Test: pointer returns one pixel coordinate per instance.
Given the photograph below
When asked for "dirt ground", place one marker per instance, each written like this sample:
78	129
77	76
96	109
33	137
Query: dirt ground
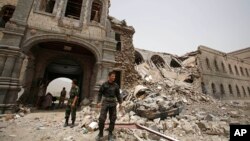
42	126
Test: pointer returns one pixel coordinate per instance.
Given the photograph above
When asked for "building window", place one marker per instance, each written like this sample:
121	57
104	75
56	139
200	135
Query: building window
5	14
203	88
247	72
236	70
242	72
230	69
238	91
213	88
222	90
73	9
216	65
244	92
223	67
158	61
47	5
118	40
230	89
208	63
248	91
96	11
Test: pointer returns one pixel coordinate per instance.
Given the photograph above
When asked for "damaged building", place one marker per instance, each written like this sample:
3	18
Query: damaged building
42	40
78	39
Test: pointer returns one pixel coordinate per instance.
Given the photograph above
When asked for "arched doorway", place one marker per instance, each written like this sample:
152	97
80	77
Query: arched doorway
54	59
55	86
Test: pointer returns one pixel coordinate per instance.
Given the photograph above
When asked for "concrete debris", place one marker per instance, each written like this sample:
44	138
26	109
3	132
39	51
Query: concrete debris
93	126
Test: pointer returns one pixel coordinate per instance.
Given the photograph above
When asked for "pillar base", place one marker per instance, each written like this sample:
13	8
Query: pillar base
9	88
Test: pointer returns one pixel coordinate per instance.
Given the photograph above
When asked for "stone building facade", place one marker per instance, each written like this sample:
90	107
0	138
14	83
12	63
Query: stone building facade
224	76
242	54
47	39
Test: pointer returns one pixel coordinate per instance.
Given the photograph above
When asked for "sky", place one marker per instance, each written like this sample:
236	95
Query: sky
180	26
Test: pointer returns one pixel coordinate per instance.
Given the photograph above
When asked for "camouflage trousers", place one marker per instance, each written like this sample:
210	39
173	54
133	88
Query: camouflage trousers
111	109
72	111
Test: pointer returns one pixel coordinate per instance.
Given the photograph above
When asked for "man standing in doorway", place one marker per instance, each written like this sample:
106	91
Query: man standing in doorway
110	93
71	105
62	98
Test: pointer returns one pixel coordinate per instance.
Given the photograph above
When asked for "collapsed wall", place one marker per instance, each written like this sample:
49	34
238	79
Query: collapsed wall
125	51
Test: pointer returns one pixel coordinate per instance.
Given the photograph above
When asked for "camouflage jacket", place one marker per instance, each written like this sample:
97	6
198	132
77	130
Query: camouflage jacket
74	91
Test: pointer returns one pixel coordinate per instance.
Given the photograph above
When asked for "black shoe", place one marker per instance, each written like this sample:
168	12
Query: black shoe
110	137
65	124
98	137
73	124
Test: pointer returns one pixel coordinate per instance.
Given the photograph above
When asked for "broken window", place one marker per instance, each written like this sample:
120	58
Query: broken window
244	92
73	9
213	88
203	88
238	91
223	67
230	89
242	72
222	90
216	65
246	71
118	40
230	68
208	63
5	14
174	64
96	11
158	61
47	5
138	58
236	70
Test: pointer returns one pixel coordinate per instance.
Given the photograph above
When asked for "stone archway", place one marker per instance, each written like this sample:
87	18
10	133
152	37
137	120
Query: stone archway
50	58
158	61
138	58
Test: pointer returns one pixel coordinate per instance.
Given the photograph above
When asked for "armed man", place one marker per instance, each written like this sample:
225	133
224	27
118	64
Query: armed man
109	93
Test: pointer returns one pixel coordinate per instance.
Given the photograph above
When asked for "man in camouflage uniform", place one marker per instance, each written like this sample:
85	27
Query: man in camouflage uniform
71	105
110	93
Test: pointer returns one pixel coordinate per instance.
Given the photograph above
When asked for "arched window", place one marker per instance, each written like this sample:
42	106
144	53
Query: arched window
247	72
213	88
236	70
203	87
216	65
158	61
138	58
5	14
244	92
96	11
73	9
238	91
230	89
222	90
241	71
208	63
230	69
223	67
